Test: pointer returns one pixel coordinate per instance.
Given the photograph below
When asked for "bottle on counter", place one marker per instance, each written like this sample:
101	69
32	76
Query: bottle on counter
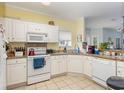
97	52
78	50
65	50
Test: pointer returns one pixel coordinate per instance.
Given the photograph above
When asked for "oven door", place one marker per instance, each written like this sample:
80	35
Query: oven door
37	71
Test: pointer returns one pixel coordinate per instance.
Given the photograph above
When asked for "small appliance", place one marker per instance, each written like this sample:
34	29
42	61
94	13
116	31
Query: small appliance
91	49
50	51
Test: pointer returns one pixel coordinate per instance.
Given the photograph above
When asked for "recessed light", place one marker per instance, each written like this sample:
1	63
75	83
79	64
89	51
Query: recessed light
46	3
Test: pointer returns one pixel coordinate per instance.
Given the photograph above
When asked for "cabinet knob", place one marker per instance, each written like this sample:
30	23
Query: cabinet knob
118	71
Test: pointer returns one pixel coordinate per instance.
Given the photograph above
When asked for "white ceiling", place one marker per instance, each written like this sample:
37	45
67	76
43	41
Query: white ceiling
74	10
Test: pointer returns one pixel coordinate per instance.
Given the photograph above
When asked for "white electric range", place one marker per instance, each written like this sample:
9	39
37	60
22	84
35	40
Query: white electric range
38	65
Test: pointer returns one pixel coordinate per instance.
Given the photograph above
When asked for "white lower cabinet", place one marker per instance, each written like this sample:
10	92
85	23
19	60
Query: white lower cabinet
63	64
58	64
75	63
16	71
87	66
54	67
120	69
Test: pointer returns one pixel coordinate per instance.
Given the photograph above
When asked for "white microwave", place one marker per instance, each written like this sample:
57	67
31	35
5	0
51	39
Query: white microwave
37	37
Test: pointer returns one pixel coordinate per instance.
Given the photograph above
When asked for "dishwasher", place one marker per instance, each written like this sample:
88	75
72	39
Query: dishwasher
102	69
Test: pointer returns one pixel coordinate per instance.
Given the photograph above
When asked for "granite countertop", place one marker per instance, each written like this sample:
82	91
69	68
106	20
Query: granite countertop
16	57
119	58
59	53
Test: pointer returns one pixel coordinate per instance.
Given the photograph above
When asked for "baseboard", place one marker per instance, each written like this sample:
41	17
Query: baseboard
88	77
62	74
16	85
75	74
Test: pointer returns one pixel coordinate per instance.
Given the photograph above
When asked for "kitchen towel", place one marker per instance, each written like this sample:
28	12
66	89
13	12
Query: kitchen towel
38	63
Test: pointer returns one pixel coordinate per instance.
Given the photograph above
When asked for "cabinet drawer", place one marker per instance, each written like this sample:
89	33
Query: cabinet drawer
53	57
120	64
11	61
14	61
21	60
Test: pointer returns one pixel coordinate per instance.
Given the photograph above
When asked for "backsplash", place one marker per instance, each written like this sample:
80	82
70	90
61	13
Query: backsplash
36	44
17	44
54	46
22	44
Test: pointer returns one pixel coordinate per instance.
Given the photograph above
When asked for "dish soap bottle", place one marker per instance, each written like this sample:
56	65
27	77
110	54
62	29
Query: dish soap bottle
78	50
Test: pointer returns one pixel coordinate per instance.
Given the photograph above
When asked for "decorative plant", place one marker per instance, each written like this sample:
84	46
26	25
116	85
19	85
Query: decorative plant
104	46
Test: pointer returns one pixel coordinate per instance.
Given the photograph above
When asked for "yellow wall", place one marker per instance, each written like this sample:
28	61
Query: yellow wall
81	28
13	12
2	10
80	31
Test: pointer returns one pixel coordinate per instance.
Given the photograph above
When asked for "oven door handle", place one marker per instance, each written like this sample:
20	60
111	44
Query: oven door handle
44	62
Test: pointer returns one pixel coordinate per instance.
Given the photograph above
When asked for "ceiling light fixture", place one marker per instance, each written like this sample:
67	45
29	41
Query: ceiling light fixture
46	3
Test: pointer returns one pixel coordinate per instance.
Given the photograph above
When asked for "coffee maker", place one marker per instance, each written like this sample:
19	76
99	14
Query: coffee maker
91	49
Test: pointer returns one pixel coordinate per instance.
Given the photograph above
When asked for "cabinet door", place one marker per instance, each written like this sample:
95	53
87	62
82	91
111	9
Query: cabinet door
64	35
87	66
62	64
19	31
54	67
75	64
7	23
16	73
52	33
33	27
120	68
36	28
120	72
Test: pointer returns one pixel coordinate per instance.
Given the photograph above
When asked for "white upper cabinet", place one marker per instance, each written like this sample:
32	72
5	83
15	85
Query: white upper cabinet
16	30
7	23
53	33
65	39
64	35
19	31
36	28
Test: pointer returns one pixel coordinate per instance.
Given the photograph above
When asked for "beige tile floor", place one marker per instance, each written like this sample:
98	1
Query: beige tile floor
66	82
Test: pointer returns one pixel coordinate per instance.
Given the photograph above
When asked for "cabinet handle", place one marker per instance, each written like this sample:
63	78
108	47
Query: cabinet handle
24	66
